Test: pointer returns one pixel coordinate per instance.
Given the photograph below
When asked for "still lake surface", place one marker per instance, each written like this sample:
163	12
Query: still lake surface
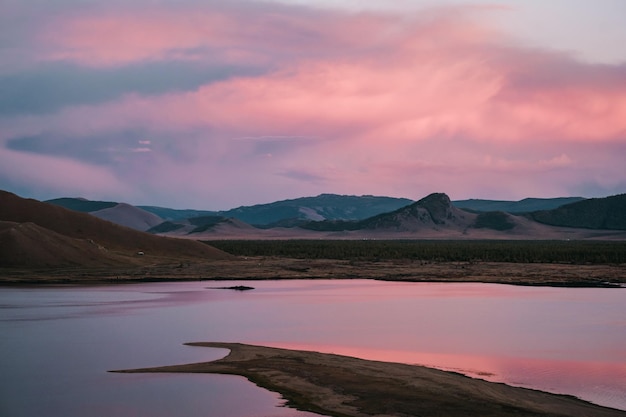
57	343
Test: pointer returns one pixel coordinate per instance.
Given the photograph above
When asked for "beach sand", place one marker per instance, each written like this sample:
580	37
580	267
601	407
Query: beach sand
342	386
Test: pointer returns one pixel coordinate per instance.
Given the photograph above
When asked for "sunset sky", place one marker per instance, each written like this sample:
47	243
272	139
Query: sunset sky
216	104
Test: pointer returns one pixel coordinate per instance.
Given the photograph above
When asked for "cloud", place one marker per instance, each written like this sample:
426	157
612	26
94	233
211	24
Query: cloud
254	100
232	32
304	176
103	149
52	86
411	89
53	176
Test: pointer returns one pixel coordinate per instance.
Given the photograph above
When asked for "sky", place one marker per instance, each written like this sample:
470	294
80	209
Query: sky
217	104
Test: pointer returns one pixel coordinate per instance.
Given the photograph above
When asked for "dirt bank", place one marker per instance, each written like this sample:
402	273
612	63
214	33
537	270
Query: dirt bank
342	386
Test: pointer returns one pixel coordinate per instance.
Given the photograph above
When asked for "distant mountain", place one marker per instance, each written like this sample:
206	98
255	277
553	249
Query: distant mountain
321	207
224	227
526	205
205	225
118	213
276	214
177	214
129	216
496	220
434	216
595	213
284	213
72	229
340	216
434	211
81	204
188	226
325	211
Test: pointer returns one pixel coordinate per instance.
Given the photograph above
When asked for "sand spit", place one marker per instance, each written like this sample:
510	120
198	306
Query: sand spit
342	386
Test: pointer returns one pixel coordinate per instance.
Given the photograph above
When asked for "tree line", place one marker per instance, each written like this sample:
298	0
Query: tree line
572	252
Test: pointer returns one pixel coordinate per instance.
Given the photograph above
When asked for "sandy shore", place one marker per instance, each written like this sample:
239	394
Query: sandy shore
262	268
342	386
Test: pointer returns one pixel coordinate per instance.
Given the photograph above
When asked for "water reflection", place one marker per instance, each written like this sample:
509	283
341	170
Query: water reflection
600	382
60	342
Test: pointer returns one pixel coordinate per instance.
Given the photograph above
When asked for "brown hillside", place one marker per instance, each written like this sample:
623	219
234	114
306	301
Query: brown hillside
29	245
121	240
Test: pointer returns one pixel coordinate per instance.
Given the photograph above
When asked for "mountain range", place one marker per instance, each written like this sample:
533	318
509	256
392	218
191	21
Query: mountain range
526	205
290	213
339	216
94	234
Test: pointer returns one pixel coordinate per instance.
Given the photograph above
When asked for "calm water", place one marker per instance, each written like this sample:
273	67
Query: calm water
58	342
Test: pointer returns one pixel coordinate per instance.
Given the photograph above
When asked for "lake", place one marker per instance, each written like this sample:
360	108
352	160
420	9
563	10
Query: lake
58	342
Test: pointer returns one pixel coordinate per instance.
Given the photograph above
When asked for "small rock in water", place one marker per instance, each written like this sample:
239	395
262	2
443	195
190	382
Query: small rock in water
236	288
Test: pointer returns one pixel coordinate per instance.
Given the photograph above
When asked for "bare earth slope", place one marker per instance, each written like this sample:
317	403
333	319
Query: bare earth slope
343	386
29	245
114	238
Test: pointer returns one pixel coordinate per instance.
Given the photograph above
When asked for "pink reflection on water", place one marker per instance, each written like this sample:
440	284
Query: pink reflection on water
568	341
595	381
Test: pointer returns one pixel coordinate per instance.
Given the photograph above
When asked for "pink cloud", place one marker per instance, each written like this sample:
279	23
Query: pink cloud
114	38
409	102
384	99
233	33
394	77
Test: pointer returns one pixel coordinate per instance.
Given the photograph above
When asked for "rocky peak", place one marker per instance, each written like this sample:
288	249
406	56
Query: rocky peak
438	206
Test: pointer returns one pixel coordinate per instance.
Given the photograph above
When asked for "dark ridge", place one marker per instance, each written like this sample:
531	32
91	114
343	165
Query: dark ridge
496	220
82	205
595	213
165	227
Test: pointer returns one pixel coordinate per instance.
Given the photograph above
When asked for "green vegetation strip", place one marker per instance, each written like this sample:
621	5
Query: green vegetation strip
570	252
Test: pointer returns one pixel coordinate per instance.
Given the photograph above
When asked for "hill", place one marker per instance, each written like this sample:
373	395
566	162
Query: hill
119	213
81	204
129	216
52	221
197	225
280	213
595	213
30	245
522	206
290	212
170	214
434	211
435	217
331	216
321	207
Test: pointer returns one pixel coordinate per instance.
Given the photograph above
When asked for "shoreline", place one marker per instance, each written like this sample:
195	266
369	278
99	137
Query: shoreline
275	268
343	386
